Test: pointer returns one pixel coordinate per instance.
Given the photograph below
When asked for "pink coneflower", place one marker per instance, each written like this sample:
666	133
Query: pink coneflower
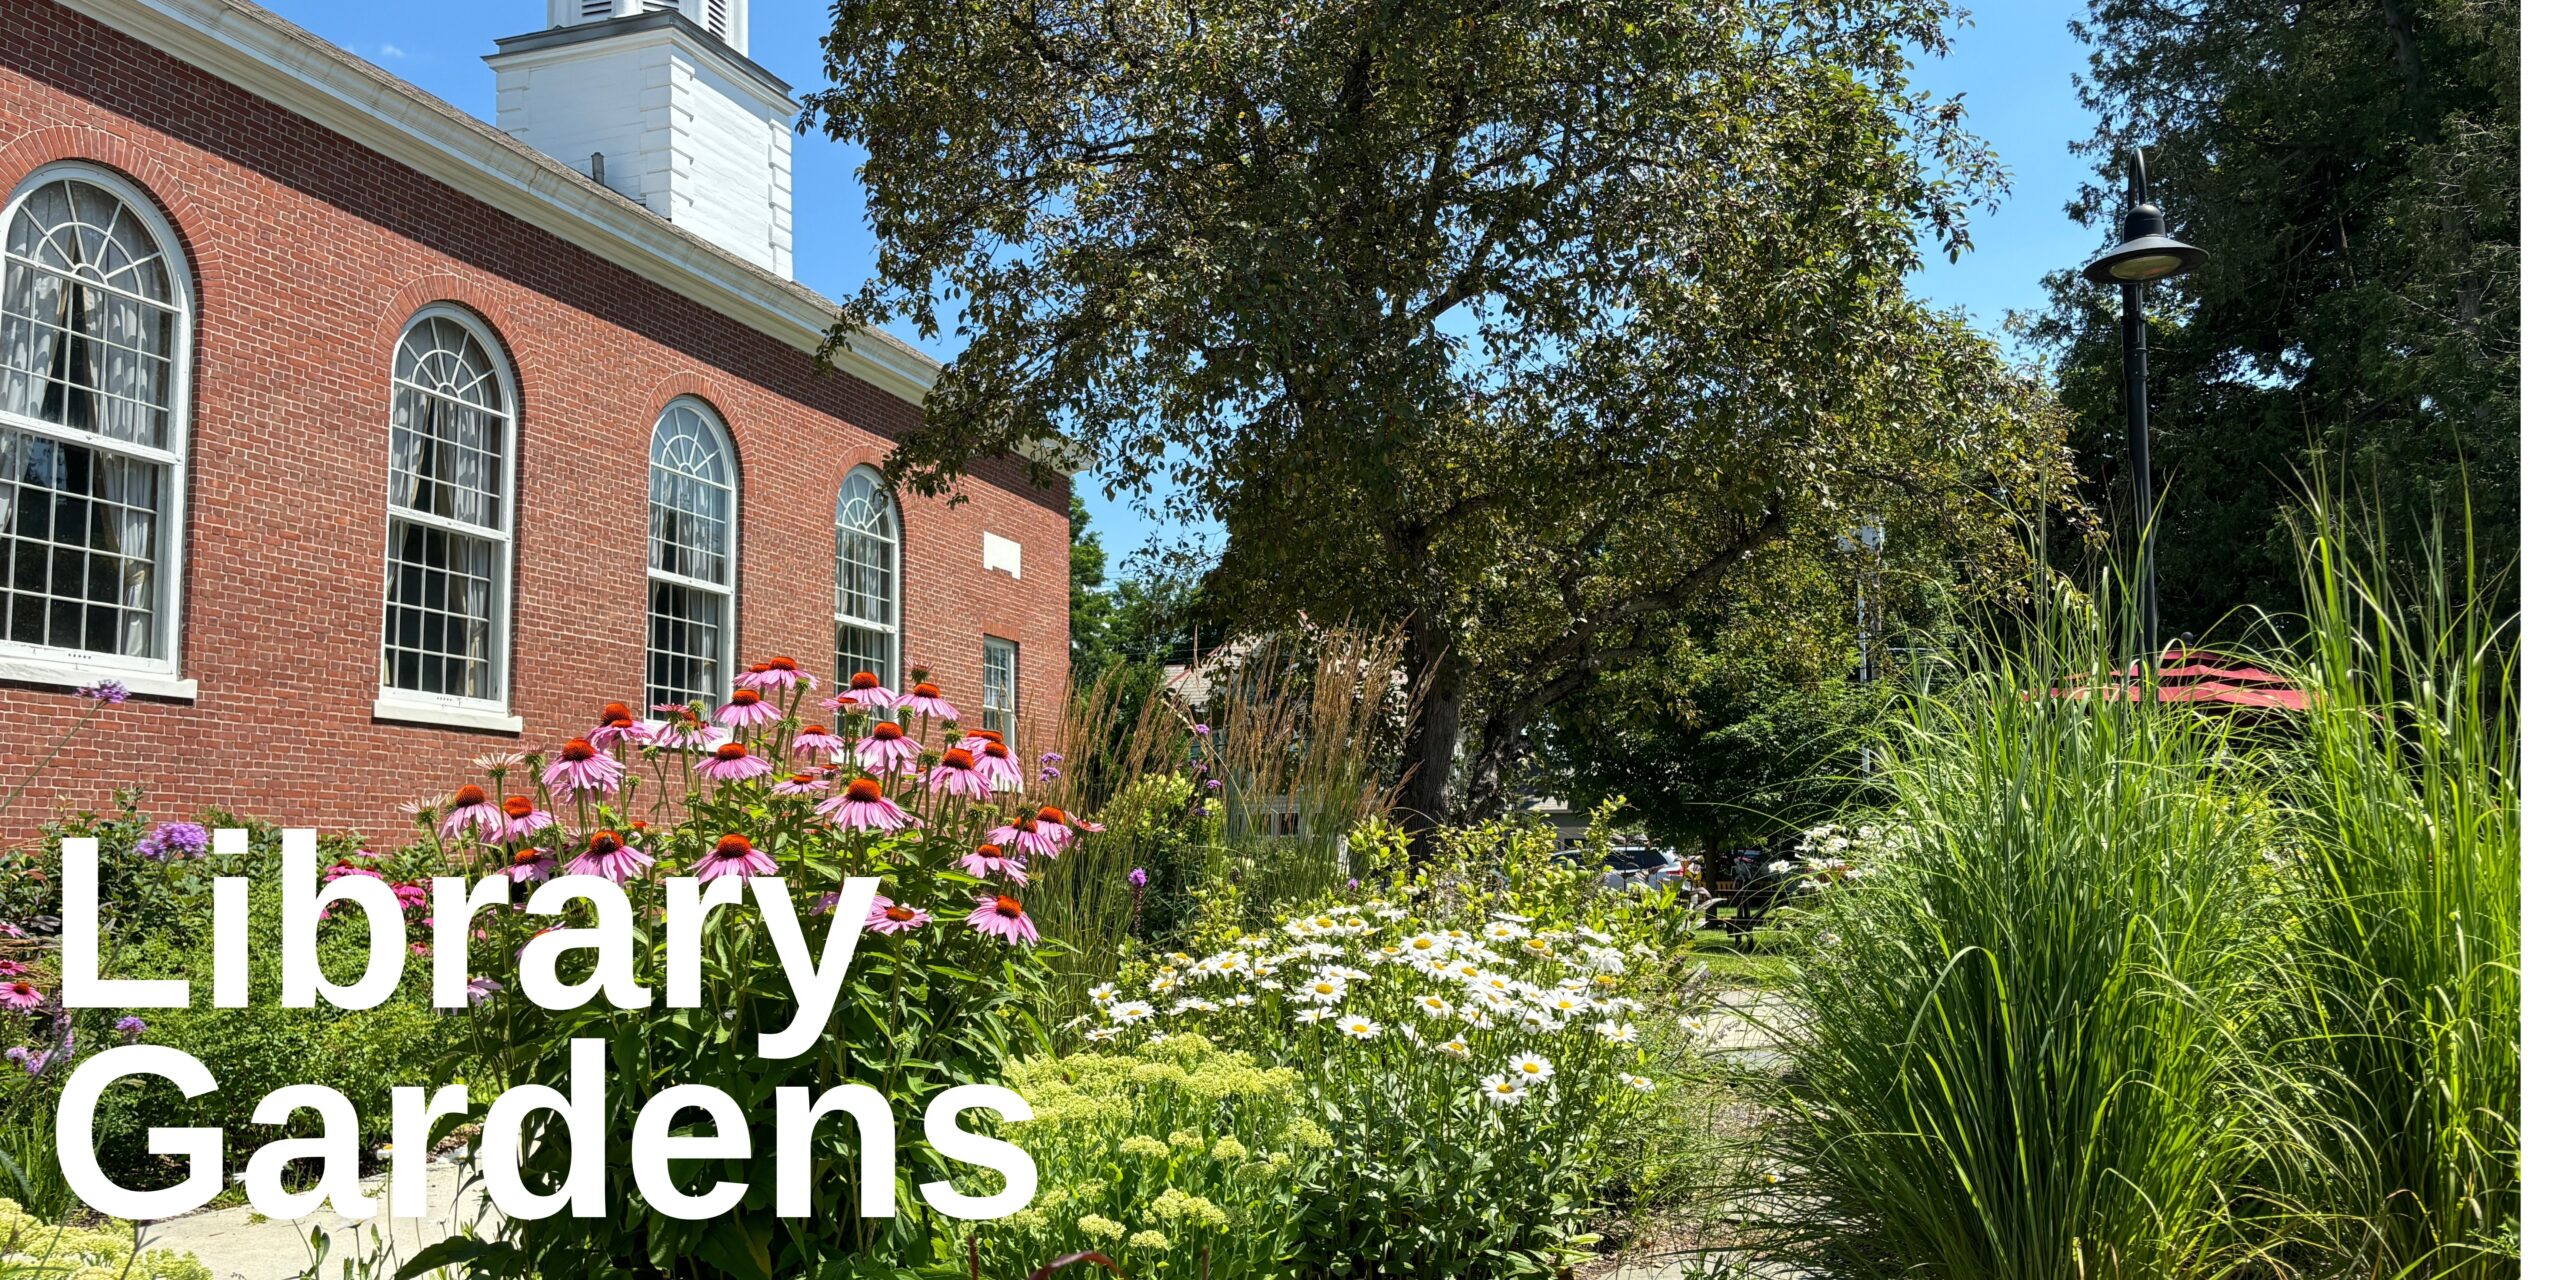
606	855
579	768
525	866
471	808
861	807
886	749
615	724
976	740
1002	917
1023	837
997	765
481	990
735	855
747	709
1053	824
683	727
818	741
20	994
926	699
732	763
865	692
774	676
522	818
988	862
894	917
957	775
803	784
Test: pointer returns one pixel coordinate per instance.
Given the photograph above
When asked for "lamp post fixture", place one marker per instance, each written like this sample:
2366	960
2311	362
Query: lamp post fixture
2146	253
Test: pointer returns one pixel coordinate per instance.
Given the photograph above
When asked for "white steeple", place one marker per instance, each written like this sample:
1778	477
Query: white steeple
658	100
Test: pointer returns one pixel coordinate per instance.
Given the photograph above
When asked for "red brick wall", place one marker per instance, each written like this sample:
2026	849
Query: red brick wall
310	254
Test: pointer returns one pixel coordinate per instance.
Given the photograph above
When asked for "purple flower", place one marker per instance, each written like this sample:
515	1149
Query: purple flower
1052	757
131	1028
1214	785
1137	877
1200	729
1049	773
109	692
171	841
480	989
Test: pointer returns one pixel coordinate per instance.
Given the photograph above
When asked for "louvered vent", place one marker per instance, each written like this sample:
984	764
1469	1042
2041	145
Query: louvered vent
595	8
715	17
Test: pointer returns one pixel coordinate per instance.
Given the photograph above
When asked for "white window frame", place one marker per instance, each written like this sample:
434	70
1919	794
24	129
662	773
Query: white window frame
894	629
73	668
416	706
1011	711
726	660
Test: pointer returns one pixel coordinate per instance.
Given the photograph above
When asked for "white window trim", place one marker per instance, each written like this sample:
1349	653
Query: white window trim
895	629
727	662
412	706
158	677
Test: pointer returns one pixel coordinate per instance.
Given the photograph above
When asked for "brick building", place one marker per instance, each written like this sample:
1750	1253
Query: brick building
359	437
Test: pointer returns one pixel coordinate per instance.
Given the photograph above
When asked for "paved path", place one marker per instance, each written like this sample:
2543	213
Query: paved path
236	1244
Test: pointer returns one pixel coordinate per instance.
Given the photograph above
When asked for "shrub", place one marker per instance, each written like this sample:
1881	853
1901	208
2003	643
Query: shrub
936	996
2024	1044
1175	1158
30	1246
1476	1083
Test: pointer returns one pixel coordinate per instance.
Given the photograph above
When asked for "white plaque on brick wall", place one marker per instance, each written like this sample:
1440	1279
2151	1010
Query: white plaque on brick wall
1004	555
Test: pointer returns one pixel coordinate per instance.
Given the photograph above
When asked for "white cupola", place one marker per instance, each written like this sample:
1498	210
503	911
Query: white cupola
658	100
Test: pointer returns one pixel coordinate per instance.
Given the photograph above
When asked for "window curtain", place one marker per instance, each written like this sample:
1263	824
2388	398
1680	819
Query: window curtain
133	491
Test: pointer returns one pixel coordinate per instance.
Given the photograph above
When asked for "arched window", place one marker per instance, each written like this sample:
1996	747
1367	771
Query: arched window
94	351
693	541
867	538
447	565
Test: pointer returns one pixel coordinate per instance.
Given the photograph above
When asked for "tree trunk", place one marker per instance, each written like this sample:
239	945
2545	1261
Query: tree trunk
1431	750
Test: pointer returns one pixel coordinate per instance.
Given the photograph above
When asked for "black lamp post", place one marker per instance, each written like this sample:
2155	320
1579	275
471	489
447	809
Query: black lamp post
2146	253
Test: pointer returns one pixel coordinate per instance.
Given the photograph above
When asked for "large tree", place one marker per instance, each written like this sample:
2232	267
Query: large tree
2352	166
1519	324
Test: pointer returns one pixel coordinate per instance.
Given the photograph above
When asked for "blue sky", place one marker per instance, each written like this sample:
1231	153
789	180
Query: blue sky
2013	64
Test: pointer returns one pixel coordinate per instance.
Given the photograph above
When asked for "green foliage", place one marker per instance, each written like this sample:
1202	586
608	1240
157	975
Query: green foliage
32	1247
1088	609
2354	170
1475	1055
2024	1048
1731	752
1175	1158
2404	1014
1520	325
1159	823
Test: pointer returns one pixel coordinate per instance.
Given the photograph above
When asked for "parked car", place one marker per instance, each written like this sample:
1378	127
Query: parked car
1638	866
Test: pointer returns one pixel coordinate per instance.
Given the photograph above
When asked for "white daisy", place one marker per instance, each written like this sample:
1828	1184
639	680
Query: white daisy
1499	931
1104	994
1323	990
1356	1027
1641	1084
1100	1035
1615	1032
1311	1015
1455	1047
1435	1006
1128	1011
1503	1091
1532	1068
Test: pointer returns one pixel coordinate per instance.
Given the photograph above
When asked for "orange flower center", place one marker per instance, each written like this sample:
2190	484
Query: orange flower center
518	807
730	751
996	751
862	791
803	779
528	857
863	680
886	732
603	843
984	735
928	689
469	797
733	846
990	851
1052	813
745	698
813	731
1008	908
1026	826
760	668
617	711
577	749
956	758
898	913
782	664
